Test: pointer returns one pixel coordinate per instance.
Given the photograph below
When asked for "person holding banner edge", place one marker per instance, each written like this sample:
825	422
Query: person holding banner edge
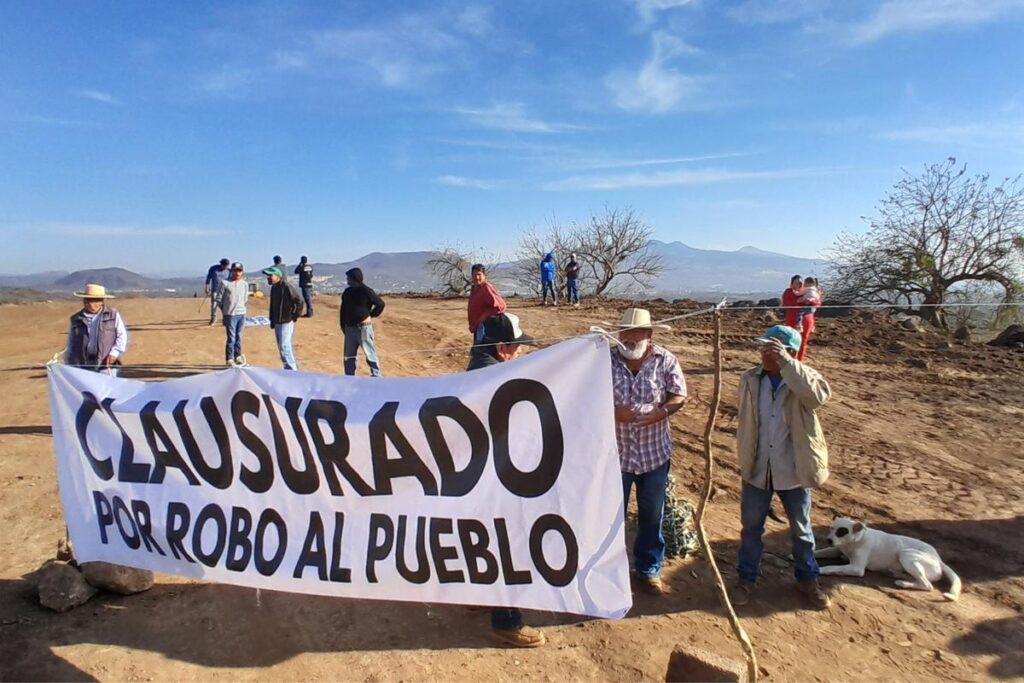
502	340
97	336
648	387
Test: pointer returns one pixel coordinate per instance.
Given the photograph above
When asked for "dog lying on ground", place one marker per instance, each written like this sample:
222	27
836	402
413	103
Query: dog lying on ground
878	551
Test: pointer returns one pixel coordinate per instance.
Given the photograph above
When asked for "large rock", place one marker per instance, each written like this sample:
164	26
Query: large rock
1011	336
912	323
694	664
116	578
62	587
962	333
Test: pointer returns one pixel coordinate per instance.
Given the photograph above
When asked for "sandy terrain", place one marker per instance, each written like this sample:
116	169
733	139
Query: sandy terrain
926	439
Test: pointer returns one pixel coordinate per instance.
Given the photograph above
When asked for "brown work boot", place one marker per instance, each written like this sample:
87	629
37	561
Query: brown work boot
521	636
651	585
813	595
741	592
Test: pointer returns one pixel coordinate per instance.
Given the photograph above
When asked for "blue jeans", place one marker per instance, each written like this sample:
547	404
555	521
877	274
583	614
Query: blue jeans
546	287
234	324
307	296
506	618
360	336
572	291
754	506
283	333
649	548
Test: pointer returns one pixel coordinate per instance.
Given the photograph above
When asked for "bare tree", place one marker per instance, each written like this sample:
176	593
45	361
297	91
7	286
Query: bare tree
534	245
452	266
935	233
613	250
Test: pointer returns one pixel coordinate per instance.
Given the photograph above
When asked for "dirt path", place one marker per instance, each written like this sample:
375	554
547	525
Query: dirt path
933	451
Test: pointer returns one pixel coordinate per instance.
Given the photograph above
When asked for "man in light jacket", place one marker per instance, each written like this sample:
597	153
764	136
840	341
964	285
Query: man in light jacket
781	451
233	299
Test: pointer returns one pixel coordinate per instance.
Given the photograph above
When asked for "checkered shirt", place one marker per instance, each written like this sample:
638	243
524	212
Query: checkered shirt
645	448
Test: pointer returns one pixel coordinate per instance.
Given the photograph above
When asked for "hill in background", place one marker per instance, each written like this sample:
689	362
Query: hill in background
688	271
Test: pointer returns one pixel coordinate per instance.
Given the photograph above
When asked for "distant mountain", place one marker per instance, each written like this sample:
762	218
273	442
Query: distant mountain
748	270
404	271
687	271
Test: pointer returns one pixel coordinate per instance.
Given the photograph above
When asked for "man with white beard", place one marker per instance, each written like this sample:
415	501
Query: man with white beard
648	387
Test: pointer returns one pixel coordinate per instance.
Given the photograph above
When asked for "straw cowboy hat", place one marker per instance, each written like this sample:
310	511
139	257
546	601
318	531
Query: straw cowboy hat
637	318
94	292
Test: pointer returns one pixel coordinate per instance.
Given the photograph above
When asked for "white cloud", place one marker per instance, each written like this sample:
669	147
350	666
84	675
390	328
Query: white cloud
94	230
460	181
401	54
898	16
776	12
286	60
967	134
475	20
648	9
656	87
96	96
511	116
628	163
669	179
227	79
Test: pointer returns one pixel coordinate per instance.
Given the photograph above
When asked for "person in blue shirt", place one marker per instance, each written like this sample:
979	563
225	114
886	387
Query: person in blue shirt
547	280
214	282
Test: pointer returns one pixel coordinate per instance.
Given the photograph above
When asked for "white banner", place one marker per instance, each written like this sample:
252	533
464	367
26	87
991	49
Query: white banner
499	486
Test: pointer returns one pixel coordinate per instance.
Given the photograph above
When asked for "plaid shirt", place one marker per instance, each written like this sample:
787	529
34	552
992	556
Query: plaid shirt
645	448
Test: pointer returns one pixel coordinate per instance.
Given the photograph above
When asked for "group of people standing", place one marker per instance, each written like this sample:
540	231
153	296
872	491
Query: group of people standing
571	272
779	443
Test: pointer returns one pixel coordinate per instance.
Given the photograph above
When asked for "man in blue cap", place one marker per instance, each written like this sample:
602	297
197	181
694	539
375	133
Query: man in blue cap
781	451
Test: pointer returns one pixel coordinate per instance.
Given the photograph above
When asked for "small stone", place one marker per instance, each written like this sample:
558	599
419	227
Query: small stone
62	587
921	363
116	578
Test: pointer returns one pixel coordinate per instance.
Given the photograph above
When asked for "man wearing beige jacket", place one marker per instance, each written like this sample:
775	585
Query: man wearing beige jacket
781	451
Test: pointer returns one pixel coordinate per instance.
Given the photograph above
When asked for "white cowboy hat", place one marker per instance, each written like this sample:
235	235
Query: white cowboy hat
637	318
94	292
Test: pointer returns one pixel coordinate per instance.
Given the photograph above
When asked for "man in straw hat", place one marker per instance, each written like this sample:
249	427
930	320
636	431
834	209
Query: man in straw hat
501	340
97	337
648	387
781	451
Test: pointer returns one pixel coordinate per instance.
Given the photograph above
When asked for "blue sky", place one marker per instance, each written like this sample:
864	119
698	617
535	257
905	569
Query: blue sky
162	136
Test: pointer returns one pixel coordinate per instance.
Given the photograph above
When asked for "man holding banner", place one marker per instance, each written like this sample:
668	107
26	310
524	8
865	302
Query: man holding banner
501	340
648	387
459	489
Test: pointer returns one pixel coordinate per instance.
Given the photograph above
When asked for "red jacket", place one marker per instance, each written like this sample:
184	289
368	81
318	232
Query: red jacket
484	301
791	302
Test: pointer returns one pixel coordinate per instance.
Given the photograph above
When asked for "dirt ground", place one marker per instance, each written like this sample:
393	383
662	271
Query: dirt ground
925	439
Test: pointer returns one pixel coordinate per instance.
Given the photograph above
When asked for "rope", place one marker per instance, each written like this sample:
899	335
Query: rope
722	306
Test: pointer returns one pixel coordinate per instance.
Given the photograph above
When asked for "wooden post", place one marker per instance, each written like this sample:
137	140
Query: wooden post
709	470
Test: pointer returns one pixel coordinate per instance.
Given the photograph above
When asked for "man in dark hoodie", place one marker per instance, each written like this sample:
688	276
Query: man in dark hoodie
359	304
285	309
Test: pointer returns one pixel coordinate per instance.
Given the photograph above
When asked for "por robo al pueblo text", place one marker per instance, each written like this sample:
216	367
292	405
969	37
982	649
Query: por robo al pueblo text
445	549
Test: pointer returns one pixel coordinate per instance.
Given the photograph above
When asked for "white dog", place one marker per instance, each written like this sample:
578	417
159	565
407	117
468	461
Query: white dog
878	551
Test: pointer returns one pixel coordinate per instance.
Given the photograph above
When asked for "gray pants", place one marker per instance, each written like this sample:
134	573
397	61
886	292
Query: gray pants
214	304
